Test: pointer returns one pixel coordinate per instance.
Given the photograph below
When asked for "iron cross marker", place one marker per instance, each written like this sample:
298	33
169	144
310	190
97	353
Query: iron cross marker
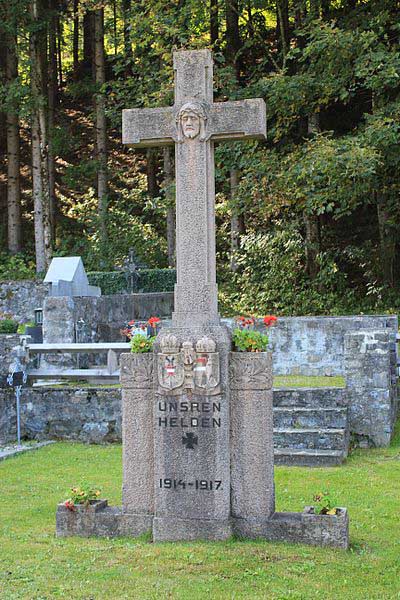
193	124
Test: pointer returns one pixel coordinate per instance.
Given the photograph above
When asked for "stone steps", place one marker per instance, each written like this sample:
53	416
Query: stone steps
300	417
310	426
306	438
324	397
308	458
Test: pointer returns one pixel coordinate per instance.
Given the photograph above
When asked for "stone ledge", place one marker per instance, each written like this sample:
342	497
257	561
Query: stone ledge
302	528
102	520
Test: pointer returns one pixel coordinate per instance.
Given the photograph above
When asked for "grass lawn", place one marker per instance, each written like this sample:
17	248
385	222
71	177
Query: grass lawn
280	381
36	565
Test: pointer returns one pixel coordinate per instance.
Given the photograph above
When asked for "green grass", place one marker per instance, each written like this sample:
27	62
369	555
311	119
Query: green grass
290	381
280	381
34	564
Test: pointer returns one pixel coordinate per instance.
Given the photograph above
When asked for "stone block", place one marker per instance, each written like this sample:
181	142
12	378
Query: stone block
250	370
175	529
137	371
303	528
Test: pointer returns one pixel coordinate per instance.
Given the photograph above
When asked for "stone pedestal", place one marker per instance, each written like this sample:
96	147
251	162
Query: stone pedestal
137	435
191	436
252	447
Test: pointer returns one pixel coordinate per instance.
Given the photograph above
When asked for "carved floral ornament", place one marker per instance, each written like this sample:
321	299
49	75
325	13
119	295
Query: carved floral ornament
191	122
188	368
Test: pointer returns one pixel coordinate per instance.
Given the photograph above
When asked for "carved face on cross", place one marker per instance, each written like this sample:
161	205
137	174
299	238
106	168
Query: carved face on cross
191	121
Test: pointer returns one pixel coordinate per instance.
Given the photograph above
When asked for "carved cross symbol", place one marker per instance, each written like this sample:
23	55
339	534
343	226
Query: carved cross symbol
189	440
193	124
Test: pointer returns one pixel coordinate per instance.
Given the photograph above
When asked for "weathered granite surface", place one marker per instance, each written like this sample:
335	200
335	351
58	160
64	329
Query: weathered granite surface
7	342
20	298
101	520
315	345
371	376
191	445
252	445
304	528
138	436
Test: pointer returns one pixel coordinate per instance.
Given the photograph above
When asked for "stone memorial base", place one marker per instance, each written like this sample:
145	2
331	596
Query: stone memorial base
110	521
198	452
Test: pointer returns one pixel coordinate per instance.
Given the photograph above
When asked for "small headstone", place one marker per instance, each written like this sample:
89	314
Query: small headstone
67	277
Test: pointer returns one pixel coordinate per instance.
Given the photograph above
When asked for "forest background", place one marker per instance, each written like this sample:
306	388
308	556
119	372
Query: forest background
307	221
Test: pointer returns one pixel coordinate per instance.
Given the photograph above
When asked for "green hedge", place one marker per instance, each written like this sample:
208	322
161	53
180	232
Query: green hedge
8	326
146	280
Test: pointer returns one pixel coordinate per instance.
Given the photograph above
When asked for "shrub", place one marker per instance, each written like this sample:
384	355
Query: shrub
8	326
147	280
16	267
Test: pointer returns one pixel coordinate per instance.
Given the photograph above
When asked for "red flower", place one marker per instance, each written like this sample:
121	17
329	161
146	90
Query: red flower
270	320
131	323
70	505
153	321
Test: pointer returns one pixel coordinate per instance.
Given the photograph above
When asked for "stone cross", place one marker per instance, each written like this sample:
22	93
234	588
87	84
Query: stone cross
193	124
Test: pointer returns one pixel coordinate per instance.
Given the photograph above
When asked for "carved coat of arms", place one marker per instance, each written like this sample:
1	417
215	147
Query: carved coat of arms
206	370
170	367
187	368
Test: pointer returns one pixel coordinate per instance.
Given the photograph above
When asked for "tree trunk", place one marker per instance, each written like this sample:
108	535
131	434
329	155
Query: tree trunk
126	13
59	49
88	42
3	140
235	221
214	25
101	125
233	42
40	174
13	156
151	170
115	27
75	43
283	31
52	99
312	243
387	238
312	224
170	199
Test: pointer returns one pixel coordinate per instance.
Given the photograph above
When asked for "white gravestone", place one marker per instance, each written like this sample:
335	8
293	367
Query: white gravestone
67	277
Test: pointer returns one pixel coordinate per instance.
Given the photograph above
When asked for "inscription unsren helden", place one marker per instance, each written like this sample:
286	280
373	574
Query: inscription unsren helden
190	408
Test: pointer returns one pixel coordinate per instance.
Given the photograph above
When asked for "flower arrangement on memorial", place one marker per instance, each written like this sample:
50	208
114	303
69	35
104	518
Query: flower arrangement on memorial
325	504
82	495
141	334
247	339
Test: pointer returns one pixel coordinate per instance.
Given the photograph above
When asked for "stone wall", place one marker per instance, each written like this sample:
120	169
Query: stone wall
371	377
7	342
94	414
87	414
20	298
315	345
100	318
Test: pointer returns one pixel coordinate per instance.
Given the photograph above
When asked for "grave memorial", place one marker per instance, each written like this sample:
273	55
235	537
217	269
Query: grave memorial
197	418
67	277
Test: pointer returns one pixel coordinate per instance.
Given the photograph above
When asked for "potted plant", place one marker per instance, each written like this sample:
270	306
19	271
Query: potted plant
83	496
326	522
77	514
250	364
141	334
137	367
